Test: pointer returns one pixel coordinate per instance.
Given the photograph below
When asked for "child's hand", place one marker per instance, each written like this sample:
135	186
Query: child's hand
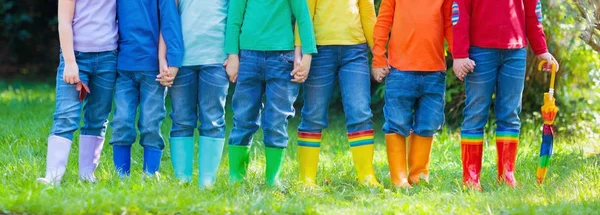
170	78
462	66
549	59
163	72
71	73
232	67
301	68
379	73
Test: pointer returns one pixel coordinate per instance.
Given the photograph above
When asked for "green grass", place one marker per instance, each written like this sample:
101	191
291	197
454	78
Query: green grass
572	185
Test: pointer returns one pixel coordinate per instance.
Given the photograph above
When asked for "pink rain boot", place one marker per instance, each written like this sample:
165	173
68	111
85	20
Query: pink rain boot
56	160
90	149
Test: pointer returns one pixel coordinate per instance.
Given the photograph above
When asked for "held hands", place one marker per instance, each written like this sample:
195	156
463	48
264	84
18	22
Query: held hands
380	73
71	73
462	66
549	61
301	68
232	66
166	74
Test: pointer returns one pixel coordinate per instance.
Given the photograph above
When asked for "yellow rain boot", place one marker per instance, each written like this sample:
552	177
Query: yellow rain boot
308	155
362	147
396	153
418	157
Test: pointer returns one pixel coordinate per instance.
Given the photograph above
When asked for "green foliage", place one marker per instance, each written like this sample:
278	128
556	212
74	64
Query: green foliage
572	185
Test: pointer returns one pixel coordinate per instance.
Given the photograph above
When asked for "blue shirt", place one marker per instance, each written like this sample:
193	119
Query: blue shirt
140	24
203	25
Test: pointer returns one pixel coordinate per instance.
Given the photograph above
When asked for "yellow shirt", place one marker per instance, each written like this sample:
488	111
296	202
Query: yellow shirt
342	22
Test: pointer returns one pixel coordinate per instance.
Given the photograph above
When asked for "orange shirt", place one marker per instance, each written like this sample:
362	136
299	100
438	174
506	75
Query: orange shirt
418	29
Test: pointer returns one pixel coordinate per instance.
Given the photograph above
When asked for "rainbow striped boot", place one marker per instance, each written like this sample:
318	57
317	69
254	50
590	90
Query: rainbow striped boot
362	147
472	155
507	141
308	154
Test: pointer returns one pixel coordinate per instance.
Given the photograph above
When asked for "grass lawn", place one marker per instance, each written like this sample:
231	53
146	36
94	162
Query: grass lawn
572	185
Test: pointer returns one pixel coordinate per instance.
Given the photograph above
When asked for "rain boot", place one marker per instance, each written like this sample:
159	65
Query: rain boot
472	155
419	155
56	159
396	153
90	149
308	154
362	148
209	158
182	157
507	141
239	157
275	158
152	158
122	159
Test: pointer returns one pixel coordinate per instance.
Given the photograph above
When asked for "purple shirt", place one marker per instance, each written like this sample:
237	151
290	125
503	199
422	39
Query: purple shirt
95	25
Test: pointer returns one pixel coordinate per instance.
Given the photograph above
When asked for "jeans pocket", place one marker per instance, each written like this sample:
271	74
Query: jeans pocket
287	57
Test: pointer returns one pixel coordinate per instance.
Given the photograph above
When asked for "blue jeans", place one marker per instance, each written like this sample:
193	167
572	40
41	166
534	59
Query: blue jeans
204	88
263	73
349	65
497	70
99	71
138	88
414	101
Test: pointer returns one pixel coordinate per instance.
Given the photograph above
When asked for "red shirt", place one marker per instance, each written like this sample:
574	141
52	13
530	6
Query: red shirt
501	24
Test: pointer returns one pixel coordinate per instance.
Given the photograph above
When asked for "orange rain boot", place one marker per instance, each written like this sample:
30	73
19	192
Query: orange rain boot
396	153
418	157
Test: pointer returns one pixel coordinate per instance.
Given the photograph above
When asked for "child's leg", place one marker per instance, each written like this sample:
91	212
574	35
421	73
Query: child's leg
246	104
184	100
509	92
479	87
66	120
280	96
127	99
401	93
355	84
152	114
318	89
212	95
429	118
96	109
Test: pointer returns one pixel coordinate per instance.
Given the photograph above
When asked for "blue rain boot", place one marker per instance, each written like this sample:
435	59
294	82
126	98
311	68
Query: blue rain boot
152	160
209	158
122	159
182	157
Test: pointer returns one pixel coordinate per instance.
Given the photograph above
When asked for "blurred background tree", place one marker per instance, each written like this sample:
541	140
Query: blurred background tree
29	51
589	12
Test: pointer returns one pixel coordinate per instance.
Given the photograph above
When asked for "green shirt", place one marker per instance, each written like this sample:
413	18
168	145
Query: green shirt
266	25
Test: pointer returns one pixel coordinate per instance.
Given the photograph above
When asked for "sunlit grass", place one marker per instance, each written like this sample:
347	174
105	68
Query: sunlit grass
572	185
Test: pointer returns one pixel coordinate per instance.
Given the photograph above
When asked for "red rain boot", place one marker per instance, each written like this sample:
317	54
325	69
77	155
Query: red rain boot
472	155
507	157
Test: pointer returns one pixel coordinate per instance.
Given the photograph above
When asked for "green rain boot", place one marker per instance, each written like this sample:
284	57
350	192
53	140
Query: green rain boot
238	162
182	157
275	158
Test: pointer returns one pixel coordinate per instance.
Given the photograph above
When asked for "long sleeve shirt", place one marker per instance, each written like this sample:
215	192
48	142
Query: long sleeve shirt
506	24
203	26
140	25
266	25
418	29
342	22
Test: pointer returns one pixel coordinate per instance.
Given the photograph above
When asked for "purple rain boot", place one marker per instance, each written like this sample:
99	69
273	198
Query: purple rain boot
90	149
56	159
